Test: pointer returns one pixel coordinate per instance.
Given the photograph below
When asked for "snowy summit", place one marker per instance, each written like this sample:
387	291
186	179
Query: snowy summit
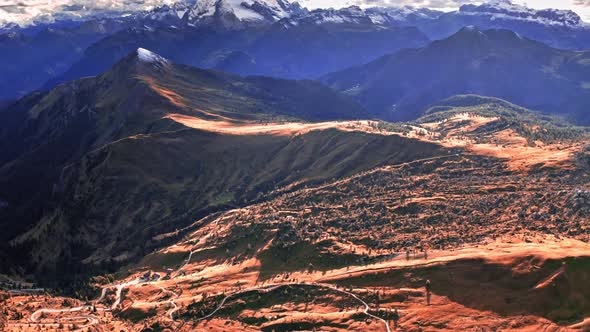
149	56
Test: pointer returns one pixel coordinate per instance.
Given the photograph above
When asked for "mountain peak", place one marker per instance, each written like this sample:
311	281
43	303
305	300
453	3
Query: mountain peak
497	37
470	30
139	62
148	56
466	34
246	10
470	40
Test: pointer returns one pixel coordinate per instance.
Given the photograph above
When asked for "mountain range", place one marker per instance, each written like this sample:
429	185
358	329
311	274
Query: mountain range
229	165
302	51
498	63
276	38
171	144
146	187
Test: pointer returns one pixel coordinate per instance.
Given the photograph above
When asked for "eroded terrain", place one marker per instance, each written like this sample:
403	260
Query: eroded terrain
496	226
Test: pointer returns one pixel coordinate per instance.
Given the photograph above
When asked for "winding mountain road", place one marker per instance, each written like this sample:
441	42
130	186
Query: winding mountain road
171	301
92	320
36	316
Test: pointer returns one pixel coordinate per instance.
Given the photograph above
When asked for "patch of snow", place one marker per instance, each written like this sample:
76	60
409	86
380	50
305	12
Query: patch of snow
205	8
149	56
180	13
245	14
244	10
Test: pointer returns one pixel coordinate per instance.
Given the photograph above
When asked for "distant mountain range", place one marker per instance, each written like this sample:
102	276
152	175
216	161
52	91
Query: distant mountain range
558	28
498	63
300	51
272	38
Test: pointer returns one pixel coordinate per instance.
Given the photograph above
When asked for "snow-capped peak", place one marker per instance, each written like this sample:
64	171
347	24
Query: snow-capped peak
507	10
246	10
377	17
150	57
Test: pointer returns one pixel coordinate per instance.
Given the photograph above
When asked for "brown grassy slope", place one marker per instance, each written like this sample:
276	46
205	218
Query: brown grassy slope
165	181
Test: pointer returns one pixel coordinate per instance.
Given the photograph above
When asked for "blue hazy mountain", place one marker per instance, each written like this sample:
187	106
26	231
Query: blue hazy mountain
498	63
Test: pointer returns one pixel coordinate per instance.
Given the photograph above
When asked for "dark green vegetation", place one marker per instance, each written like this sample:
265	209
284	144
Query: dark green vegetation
93	171
496	63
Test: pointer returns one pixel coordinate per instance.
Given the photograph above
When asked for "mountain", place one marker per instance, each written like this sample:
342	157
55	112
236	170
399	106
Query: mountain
286	48
534	127
505	8
272	37
558	28
157	144
178	12
29	60
470	199
254	33
238	12
498	63
32	55
403	16
229	14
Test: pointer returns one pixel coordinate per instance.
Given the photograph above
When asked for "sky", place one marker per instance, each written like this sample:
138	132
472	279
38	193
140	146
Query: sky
24	11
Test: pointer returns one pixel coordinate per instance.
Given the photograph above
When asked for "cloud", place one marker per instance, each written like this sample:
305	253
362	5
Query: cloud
25	12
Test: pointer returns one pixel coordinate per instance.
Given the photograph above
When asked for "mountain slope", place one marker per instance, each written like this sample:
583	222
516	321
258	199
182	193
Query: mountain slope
461	220
497	63
28	61
156	144
133	98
